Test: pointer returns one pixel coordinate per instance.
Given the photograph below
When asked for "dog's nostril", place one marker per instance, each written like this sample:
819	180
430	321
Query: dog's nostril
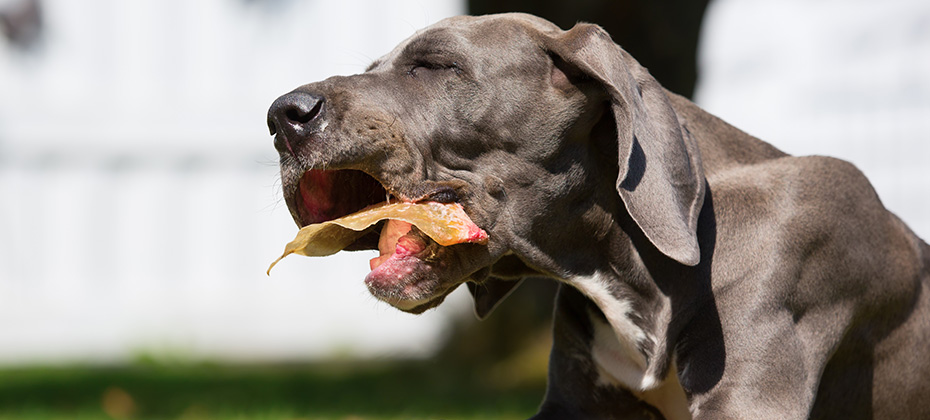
296	108
300	115
294	115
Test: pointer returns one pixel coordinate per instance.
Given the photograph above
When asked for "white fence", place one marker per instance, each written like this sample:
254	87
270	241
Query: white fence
849	79
139	205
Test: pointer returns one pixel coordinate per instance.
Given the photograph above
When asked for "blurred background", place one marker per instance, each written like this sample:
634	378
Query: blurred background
140	203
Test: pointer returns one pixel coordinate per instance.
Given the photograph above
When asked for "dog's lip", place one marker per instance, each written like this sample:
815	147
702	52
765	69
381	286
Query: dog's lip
414	272
400	275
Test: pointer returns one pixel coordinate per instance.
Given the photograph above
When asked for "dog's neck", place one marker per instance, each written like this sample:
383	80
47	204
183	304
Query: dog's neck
625	351
625	318
623	342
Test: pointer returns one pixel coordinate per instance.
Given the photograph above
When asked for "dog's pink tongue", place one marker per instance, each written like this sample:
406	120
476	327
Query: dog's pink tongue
395	241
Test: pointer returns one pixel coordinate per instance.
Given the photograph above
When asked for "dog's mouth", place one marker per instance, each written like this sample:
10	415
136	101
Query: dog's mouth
409	271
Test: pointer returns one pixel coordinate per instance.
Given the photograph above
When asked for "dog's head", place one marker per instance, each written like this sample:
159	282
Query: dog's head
545	137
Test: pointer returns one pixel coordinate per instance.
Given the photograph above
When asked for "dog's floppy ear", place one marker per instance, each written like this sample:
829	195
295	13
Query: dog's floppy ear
661	181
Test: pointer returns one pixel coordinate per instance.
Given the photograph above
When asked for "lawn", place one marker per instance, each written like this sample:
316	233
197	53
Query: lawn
342	390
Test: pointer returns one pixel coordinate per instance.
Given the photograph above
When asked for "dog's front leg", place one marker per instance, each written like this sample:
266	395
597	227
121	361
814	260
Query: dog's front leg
574	394
576	389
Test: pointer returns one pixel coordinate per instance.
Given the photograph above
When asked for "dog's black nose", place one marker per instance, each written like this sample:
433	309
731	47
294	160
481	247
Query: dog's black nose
294	112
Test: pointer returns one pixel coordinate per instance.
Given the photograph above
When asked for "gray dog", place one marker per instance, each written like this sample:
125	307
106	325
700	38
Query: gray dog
704	273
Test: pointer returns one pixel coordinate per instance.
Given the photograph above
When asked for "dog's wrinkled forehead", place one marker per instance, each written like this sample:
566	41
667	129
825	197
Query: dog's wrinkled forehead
462	37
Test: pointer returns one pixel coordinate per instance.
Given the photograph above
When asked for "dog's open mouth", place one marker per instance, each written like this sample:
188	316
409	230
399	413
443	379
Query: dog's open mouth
349	210
326	195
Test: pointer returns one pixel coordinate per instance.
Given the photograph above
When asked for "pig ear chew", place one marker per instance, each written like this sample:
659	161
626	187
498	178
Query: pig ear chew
446	224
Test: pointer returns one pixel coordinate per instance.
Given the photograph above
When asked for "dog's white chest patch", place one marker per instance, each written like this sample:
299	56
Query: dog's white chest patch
617	359
615	343
616	354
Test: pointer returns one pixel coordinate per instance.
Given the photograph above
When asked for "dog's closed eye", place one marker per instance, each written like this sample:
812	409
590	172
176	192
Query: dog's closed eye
423	67
444	195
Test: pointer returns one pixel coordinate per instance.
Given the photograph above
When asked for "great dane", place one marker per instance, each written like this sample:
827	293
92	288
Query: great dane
704	273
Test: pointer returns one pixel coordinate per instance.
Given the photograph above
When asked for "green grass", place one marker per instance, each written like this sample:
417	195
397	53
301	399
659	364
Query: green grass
340	391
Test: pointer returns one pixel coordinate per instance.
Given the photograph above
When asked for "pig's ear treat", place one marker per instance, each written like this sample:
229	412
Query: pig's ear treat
445	224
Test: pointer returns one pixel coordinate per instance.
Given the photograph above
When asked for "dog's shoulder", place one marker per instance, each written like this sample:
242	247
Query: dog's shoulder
751	174
820	211
722	146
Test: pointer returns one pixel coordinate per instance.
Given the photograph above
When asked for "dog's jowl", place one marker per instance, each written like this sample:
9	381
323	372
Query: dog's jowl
704	273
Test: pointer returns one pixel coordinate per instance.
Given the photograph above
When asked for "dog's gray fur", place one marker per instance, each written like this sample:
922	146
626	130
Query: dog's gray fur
705	274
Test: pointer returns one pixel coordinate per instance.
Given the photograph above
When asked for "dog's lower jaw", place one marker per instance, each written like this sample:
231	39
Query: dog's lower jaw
415	307
404	290
410	304
411	282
